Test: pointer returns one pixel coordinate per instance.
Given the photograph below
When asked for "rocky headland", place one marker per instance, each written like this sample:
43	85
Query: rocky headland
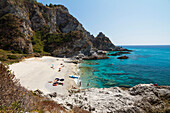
28	26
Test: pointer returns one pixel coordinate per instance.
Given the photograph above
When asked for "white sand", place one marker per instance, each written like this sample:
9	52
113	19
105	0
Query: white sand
35	73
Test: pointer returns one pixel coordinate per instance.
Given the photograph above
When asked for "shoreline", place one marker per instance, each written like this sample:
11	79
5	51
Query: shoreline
36	73
113	99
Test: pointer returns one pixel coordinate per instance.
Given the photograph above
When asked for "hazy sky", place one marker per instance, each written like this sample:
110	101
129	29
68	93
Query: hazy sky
125	22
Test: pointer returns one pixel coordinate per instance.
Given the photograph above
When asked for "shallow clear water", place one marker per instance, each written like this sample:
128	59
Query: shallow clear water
146	64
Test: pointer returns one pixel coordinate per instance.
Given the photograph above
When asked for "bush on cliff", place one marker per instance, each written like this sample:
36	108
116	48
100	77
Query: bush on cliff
12	57
38	39
10	34
9	30
53	40
43	41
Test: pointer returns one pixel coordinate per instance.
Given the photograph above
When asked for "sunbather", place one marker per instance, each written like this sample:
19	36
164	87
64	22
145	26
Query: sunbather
52	66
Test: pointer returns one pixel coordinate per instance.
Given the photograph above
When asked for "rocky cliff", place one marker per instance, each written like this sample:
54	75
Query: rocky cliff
28	26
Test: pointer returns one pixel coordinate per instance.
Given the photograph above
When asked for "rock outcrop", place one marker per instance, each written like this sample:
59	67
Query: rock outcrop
123	57
142	98
39	28
118	53
102	42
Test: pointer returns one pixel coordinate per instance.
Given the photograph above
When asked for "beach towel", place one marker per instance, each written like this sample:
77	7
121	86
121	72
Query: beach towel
62	79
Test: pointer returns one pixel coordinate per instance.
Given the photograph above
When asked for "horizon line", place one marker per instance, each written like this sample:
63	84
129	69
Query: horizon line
142	45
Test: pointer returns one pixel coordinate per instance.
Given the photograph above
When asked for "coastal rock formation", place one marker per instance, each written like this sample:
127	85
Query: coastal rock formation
99	54
117	48
34	27
102	42
142	98
118	53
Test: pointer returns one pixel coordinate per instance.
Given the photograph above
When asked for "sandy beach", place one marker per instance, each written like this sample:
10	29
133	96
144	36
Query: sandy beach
35	73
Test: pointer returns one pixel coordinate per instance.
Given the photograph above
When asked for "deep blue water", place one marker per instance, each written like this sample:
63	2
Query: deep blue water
146	64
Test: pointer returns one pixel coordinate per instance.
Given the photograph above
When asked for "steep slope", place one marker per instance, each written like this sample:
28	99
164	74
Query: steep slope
38	28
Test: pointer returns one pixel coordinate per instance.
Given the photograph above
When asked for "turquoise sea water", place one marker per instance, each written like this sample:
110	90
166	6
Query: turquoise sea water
146	64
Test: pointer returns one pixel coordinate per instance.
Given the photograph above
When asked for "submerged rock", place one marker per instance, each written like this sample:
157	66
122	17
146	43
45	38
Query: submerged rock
123	57
95	57
118	53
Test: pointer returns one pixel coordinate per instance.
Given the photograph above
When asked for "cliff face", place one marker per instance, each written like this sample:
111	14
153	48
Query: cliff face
38	28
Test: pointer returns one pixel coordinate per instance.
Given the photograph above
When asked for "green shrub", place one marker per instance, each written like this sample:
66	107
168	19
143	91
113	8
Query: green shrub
38	39
9	30
51	5
3	58
12	57
17	52
37	42
16	106
46	16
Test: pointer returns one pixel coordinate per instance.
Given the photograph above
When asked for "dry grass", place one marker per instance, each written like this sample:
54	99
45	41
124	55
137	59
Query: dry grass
15	98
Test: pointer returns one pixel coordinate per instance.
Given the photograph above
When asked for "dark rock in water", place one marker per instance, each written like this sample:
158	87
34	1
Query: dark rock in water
95	57
130	77
118	53
123	57
121	49
96	54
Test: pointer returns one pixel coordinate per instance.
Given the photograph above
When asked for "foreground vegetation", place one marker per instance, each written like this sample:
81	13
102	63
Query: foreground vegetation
9	57
15	99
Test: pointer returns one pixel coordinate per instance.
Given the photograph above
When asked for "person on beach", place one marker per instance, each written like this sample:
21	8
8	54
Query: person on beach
52	66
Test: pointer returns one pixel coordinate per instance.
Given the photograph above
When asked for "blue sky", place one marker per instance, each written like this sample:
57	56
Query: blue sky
125	22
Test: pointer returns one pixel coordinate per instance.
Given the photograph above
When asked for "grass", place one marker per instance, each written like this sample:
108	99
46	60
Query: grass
8	57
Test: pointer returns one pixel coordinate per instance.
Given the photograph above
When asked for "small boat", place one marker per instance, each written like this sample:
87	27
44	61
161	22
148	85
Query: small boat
71	76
